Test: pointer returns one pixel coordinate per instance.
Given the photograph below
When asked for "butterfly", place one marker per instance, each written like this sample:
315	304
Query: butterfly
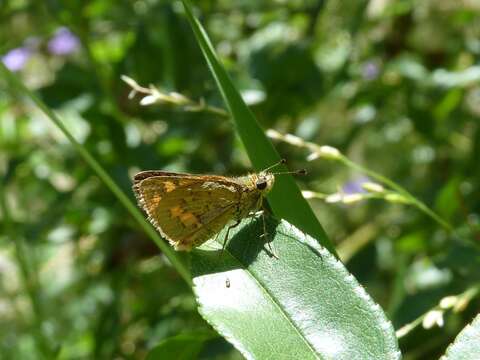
188	209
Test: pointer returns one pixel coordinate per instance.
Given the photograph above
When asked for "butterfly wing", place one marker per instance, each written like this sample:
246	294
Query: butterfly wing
187	209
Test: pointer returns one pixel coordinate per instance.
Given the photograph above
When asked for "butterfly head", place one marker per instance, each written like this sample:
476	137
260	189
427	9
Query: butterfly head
264	182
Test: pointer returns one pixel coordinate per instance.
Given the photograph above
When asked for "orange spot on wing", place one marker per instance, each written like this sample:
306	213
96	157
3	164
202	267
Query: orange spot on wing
169	186
176	211
189	220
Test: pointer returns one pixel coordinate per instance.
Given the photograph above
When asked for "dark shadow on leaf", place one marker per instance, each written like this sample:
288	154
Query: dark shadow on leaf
242	249
249	241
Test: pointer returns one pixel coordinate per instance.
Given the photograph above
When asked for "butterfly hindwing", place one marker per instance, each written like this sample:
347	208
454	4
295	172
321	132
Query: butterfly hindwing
187	209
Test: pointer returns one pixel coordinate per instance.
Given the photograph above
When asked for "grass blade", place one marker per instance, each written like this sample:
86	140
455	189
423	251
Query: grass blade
102	174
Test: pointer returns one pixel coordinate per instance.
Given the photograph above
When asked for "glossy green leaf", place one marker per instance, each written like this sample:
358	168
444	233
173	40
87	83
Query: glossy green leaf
467	344
180	347
286	195
302	305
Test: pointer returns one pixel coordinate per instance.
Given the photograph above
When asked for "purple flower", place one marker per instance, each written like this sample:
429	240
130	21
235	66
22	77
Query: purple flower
16	58
64	42
355	186
370	70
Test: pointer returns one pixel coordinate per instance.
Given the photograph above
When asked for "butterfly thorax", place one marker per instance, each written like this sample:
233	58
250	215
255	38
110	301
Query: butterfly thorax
255	188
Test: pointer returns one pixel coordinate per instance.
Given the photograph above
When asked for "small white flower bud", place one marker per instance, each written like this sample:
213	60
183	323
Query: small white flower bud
148	100
334	198
307	194
432	318
294	140
273	134
373	187
448	301
132	83
352	198
328	152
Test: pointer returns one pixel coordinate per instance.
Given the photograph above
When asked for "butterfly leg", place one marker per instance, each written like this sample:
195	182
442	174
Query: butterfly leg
228	232
271	250
265	234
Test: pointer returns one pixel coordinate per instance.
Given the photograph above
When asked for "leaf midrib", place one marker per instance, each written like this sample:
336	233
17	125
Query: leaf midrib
276	303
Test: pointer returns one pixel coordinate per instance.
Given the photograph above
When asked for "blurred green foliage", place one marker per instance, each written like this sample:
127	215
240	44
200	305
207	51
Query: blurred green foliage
395	85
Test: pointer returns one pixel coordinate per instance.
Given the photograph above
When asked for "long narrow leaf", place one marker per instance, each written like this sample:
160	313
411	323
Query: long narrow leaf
101	173
286	199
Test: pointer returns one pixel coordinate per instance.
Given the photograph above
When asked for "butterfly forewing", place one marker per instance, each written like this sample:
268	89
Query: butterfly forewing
187	209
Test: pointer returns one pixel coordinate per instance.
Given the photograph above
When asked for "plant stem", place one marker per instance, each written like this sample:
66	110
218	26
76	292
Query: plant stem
386	181
320	152
462	300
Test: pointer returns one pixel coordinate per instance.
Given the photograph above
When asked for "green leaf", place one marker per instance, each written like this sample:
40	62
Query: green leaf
467	344
302	305
180	347
285	195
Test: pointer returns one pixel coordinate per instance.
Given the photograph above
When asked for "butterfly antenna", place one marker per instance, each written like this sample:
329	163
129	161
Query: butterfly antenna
297	172
283	161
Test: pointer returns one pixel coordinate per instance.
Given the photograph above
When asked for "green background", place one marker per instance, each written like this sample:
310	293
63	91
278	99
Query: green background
394	85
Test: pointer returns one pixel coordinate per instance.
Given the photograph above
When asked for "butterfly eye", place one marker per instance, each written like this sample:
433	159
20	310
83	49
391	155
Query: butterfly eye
261	185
